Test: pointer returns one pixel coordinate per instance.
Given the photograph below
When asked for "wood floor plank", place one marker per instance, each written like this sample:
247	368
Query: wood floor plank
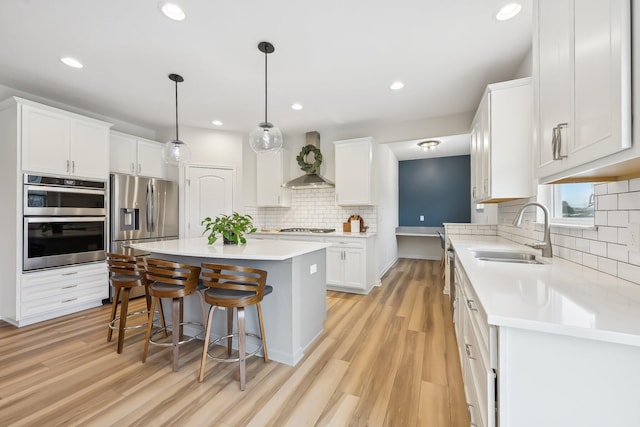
385	359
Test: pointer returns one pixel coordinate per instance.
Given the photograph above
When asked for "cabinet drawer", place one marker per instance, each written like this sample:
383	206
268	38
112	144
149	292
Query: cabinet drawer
477	315
61	300
348	242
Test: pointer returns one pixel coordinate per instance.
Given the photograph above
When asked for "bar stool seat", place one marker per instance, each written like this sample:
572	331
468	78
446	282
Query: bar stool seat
234	287
173	281
124	275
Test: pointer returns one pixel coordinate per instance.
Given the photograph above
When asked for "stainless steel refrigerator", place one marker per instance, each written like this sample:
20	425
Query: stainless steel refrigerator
141	210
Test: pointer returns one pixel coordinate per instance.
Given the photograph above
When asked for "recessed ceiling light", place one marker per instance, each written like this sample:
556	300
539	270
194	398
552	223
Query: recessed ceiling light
508	11
396	85
216	123
296	106
172	11
428	145
71	62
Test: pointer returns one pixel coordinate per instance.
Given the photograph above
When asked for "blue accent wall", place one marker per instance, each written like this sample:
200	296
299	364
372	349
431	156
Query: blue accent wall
438	188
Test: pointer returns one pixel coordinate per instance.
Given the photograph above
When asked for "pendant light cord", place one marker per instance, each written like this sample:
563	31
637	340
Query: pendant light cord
265	85
177	138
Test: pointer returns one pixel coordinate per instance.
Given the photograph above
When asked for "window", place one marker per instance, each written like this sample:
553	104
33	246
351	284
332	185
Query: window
571	203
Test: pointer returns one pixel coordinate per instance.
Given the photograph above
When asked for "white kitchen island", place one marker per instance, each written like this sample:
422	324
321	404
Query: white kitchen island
294	312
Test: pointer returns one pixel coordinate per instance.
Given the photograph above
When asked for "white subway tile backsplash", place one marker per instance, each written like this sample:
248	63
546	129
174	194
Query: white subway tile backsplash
603	248
618	187
608	234
618	218
608	202
617	252
608	266
629	200
598	248
628	272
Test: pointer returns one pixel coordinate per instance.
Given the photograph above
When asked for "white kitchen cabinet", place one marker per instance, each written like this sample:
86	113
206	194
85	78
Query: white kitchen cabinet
270	172
582	71
136	156
501	138
51	293
477	348
350	264
60	143
354	172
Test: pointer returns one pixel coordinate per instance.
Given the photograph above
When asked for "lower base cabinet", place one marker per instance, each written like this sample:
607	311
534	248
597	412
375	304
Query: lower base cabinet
350	259
51	293
515	376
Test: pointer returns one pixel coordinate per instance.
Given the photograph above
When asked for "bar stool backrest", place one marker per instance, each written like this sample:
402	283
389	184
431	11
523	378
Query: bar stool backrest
172	273
235	278
120	264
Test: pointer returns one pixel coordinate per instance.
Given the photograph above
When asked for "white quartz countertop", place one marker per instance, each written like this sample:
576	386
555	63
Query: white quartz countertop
557	296
262	250
306	233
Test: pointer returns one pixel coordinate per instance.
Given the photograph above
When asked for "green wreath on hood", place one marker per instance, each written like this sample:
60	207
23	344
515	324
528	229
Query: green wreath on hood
302	159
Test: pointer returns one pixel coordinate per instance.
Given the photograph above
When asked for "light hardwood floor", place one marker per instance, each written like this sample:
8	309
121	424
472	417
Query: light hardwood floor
385	359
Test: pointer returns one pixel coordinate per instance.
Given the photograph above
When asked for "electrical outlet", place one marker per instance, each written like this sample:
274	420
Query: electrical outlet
313	269
421	217
634	237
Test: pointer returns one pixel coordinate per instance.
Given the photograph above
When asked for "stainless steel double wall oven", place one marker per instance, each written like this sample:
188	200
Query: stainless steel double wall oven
65	221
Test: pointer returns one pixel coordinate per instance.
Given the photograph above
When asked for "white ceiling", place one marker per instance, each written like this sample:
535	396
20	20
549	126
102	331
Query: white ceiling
335	57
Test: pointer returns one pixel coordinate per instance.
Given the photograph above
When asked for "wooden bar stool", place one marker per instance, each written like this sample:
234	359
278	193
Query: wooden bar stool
232	286
172	280
124	275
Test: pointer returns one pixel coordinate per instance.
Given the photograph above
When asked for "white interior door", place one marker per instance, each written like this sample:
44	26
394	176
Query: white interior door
209	193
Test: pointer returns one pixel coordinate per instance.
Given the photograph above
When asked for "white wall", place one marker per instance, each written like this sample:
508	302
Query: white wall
388	204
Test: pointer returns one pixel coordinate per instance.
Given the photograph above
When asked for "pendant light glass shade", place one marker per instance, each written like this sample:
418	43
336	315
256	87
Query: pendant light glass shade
176	152
265	137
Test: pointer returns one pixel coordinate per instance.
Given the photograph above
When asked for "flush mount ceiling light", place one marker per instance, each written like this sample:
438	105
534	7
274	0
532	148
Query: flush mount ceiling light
71	62
172	11
508	11
428	145
296	106
176	152
396	85
265	137
216	123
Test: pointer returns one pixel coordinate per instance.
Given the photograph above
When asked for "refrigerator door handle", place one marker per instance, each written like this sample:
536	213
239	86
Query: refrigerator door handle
149	207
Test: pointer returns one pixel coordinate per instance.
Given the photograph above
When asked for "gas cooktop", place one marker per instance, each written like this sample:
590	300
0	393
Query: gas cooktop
307	230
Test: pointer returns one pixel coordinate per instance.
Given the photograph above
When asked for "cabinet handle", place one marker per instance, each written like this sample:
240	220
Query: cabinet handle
132	169
467	349
70	287
472	305
139	167
69	300
70	273
73	166
473	191
67	165
556	141
472	423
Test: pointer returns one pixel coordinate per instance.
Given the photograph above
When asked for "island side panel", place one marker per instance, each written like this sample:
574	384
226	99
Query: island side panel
290	324
310	299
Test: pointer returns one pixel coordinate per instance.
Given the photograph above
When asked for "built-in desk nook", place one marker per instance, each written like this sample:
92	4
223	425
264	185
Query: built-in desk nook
294	312
419	242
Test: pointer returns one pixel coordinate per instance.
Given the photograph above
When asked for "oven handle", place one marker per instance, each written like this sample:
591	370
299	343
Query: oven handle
40	219
45	188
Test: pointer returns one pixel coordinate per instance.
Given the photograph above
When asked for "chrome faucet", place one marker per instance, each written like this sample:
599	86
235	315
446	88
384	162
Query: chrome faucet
545	245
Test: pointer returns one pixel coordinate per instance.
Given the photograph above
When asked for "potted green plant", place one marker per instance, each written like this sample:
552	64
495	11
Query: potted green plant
231	227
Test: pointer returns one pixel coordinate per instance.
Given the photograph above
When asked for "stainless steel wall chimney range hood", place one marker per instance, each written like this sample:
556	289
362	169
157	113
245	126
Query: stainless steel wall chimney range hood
311	178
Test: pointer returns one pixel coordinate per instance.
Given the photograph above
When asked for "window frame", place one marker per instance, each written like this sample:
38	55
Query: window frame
548	195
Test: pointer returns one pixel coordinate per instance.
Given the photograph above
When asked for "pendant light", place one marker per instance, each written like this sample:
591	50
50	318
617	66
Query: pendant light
265	137
176	152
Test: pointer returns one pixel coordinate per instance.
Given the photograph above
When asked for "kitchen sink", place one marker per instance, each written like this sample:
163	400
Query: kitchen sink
506	256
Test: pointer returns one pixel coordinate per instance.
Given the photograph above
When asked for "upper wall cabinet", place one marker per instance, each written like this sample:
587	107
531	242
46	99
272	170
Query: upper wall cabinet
136	156
354	172
501	138
582	72
271	171
60	143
